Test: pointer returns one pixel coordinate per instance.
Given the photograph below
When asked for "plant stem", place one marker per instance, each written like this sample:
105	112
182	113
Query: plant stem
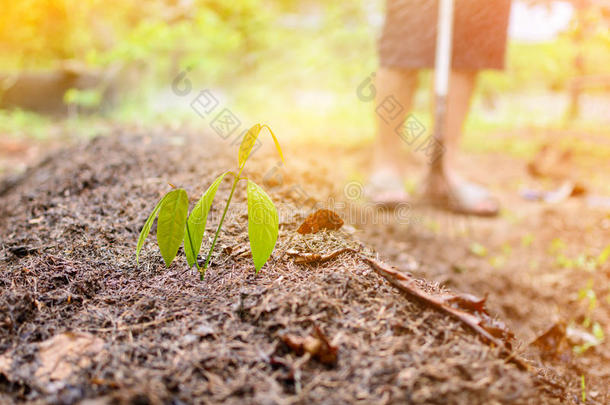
207	259
188	233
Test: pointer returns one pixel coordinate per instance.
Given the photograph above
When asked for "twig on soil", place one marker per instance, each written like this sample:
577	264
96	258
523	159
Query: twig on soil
138	326
405	284
399	280
316	257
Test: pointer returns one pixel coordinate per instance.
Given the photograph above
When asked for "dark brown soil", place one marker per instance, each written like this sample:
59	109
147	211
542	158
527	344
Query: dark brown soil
67	263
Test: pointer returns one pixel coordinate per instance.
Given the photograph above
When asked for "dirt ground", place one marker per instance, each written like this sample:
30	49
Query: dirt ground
146	334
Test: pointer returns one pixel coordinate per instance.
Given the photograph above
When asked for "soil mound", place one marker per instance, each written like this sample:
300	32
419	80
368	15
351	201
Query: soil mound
151	334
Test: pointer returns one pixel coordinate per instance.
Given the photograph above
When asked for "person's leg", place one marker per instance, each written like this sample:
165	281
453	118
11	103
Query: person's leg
461	194
461	87
395	90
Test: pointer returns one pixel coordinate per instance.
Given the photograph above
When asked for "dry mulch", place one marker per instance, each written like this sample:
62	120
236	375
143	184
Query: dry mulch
69	229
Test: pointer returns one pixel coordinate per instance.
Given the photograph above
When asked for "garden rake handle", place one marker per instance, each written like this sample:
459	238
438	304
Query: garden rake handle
442	68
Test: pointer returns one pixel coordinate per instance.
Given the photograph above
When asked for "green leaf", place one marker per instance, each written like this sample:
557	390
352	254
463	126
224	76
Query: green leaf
277	143
263	224
196	222
146	229
171	223
248	143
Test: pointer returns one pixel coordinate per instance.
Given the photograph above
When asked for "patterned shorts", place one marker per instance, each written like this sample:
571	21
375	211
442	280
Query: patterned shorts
479	34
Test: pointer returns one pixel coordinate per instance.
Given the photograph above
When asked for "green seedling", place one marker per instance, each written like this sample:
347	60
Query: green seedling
478	249
174	228
597	337
556	246
586	294
603	256
527	240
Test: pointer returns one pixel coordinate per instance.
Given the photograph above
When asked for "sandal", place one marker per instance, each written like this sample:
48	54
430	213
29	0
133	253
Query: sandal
460	196
385	189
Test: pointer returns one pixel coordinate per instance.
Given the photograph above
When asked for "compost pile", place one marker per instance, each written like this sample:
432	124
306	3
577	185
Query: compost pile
81	321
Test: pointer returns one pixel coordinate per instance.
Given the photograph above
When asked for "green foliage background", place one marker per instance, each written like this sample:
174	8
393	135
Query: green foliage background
295	63
223	40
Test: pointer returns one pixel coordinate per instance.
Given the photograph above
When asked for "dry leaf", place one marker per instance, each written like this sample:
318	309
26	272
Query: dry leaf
5	364
552	338
467	302
60	355
321	219
551	162
318	346
554	343
57	357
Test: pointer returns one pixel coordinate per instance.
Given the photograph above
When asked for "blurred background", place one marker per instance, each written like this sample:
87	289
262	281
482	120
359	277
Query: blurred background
73	69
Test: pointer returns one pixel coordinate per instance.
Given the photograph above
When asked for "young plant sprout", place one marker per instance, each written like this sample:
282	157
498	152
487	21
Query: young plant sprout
173	227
